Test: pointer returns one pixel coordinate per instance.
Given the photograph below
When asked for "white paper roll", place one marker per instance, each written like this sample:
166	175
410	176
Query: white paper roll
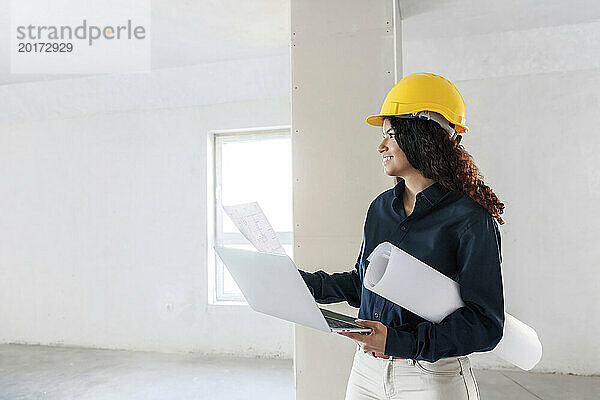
421	289
520	344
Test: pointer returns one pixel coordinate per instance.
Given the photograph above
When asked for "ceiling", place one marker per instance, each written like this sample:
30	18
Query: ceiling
476	17
191	32
186	32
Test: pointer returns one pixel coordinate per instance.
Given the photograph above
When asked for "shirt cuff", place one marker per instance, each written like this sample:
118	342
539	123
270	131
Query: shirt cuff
400	343
309	280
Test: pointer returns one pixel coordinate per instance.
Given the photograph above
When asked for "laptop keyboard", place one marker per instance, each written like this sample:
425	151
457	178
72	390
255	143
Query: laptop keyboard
335	323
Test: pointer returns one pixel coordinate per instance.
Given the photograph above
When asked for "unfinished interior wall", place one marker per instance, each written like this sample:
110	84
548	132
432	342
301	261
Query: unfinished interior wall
342	66
104	212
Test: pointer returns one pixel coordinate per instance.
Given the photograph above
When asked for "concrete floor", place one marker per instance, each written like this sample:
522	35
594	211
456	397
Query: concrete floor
49	373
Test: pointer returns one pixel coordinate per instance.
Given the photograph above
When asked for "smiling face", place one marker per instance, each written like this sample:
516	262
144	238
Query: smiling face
398	165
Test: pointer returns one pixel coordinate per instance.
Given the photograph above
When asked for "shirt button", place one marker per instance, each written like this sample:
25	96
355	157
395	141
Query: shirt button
376	315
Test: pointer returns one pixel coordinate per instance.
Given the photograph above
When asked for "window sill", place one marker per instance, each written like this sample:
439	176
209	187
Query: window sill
220	303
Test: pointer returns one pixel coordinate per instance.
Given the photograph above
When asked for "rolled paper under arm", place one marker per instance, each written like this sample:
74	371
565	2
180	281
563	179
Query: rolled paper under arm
421	289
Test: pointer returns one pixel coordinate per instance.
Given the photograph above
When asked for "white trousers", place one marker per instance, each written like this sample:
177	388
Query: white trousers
385	379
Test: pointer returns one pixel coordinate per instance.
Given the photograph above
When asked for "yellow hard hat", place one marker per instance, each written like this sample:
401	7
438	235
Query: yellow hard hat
423	92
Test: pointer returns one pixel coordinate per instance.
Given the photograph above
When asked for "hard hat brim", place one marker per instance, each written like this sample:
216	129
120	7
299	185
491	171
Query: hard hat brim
375	120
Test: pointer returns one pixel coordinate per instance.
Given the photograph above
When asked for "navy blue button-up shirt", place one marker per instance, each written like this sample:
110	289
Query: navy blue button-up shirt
453	234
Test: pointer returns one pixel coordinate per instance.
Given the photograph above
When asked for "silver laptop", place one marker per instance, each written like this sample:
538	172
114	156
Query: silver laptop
272	285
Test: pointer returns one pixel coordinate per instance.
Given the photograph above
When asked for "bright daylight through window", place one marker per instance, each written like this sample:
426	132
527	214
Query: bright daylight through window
250	166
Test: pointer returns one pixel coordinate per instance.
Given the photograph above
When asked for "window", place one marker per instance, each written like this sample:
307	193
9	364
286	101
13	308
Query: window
247	166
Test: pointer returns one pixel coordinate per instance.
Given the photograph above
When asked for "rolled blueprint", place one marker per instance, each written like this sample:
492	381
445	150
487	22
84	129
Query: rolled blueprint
421	289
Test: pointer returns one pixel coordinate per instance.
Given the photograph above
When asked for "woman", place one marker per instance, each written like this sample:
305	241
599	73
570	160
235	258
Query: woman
441	212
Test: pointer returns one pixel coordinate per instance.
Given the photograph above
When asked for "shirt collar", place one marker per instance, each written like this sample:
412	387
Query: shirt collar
432	193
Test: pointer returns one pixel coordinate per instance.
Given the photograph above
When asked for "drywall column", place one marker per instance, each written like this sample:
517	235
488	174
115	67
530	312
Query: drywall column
342	60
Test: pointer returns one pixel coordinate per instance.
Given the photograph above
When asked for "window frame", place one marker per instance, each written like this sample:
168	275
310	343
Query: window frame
215	273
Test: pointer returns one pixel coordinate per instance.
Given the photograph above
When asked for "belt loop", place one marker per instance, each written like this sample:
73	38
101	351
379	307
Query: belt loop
463	364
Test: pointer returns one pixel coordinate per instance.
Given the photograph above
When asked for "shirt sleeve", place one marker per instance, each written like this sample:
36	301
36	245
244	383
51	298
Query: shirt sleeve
337	287
479	325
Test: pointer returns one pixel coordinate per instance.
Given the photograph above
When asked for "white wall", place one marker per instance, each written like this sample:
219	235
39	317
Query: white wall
103	203
530	75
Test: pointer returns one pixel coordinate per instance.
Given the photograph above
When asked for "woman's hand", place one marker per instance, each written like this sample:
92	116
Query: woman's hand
374	341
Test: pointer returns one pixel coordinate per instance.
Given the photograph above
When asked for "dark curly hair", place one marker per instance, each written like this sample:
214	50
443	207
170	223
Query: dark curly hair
430	149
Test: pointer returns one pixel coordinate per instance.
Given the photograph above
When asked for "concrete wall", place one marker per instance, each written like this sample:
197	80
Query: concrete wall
342	65
530	75
103	202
